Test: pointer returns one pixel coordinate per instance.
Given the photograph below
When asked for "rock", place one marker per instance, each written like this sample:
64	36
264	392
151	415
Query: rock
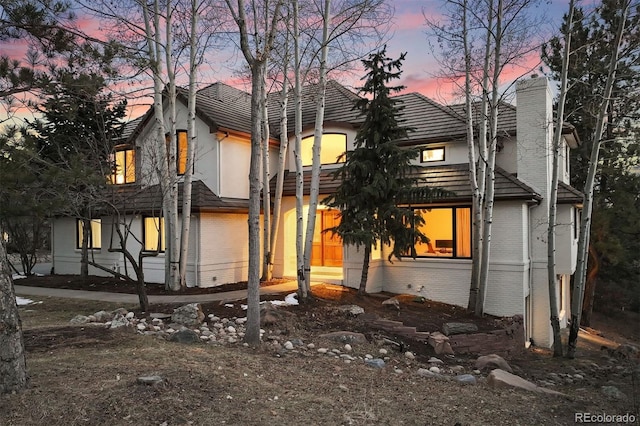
375	362
345	337
383	351
501	378
440	344
190	314
119	321
103	316
354	310
450	328
241	321
185	336
311	346
121	311
231	329
392	302
627	351
348	347
150	380
612	392
159	315
491	362
288	345
434	360
129	315
423	372
323	350
434	369
457	369
409	355
469	379
141	327
79	319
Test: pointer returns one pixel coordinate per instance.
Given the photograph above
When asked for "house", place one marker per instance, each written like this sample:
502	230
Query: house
441	271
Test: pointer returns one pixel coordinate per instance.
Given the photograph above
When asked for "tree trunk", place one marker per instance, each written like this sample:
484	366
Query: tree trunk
252	335
585	223
13	366
84	255
282	156
362	290
297	90
191	148
552	278
317	146
590	287
266	192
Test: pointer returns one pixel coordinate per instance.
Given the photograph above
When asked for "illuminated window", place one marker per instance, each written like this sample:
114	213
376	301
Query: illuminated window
182	142
95	234
334	145
448	230
432	154
154	234
124	161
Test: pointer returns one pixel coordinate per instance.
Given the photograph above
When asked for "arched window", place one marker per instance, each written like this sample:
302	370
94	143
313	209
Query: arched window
334	145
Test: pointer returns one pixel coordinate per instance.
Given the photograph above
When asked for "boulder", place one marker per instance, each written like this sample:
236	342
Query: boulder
375	362
150	380
190	314
118	321
491	362
185	336
450	328
612	392
79	319
468	379
103	316
392	302
440	343
501	378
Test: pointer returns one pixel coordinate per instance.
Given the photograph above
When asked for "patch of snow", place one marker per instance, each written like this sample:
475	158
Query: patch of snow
291	299
230	305
21	301
18	276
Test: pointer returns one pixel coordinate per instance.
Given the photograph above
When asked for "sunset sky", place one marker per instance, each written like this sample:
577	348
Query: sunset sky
409	34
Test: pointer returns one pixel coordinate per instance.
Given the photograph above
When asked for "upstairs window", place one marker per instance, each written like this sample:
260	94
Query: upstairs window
153	234
182	143
124	166
334	145
95	234
429	155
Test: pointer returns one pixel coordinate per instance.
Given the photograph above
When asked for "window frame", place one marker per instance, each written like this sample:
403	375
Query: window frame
90	244
114	175
343	157
162	240
434	149
454	230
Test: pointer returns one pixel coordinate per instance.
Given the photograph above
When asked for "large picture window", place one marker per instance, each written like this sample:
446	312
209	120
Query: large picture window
448	230
95	234
124	166
333	146
153	230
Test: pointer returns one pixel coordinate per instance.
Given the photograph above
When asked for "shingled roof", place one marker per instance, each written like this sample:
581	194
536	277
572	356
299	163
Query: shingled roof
453	178
148	200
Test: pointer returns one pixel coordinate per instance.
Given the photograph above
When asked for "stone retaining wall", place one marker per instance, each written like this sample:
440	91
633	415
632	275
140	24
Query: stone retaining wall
505	342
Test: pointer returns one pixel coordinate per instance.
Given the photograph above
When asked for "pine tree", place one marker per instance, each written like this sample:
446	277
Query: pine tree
377	177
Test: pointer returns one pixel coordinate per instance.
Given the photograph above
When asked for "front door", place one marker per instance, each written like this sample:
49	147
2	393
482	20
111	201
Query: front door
327	247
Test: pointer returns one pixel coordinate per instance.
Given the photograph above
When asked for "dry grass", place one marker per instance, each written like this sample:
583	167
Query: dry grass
87	376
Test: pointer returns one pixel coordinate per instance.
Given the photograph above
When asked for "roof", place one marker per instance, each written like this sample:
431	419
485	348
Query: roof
568	194
148	200
453	178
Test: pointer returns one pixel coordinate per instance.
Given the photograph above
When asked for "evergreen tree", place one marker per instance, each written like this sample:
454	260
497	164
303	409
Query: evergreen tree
615	233
377	178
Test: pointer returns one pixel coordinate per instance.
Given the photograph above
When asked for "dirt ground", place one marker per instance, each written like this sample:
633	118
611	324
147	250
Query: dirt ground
87	374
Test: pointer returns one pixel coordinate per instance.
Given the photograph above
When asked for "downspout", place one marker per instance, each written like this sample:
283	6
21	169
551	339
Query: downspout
528	329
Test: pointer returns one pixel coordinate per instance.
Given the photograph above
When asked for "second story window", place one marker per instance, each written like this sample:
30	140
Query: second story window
428	155
333	146
124	161
182	142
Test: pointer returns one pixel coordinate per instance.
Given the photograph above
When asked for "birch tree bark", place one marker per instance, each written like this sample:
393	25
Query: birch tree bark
585	223
13	366
553	196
